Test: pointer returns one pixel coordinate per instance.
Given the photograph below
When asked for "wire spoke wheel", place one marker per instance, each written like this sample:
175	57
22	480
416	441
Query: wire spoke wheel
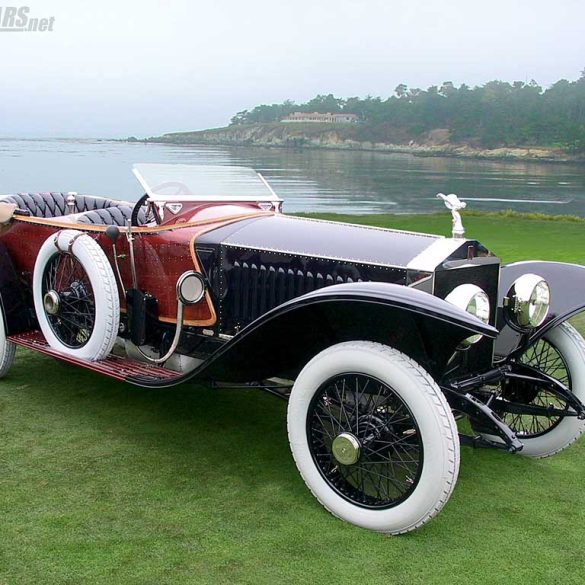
546	358
68	300
560	355
373	436
364	440
76	296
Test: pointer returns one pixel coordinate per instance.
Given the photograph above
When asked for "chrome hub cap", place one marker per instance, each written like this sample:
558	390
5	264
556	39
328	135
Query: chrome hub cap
51	302
346	449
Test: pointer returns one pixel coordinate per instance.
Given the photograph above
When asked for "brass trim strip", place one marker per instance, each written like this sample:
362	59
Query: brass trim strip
49	221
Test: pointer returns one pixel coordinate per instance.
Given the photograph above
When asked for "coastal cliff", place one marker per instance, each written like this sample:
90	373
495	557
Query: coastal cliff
357	137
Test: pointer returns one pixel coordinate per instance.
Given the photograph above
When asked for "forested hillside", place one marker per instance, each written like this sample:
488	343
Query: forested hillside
497	114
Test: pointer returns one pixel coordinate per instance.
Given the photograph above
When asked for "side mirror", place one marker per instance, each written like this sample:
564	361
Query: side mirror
113	233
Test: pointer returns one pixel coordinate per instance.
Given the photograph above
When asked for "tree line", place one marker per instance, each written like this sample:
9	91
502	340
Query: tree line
492	115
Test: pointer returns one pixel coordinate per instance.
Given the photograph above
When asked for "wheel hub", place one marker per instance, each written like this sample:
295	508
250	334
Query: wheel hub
346	449
51	302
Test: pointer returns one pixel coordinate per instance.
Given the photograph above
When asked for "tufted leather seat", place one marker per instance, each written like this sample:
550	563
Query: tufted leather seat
118	215
39	204
55	204
92	210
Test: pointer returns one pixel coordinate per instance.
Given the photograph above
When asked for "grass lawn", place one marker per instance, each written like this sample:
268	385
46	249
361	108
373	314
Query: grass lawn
106	483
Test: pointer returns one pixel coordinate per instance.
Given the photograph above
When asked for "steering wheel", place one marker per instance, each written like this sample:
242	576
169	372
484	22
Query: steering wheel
181	188
136	210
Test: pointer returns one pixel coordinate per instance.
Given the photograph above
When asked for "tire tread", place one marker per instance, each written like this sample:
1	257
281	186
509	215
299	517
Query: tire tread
7	352
577	338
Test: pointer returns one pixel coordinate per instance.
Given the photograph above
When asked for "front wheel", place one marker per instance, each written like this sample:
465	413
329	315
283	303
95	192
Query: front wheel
373	437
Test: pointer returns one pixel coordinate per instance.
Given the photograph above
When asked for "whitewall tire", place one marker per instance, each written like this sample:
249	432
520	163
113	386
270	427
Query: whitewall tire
562	353
76	296
386	458
7	348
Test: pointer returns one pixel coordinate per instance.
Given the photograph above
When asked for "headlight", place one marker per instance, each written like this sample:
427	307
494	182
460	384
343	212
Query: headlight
474	301
190	288
528	301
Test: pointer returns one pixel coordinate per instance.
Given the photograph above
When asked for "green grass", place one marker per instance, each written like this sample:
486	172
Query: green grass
105	483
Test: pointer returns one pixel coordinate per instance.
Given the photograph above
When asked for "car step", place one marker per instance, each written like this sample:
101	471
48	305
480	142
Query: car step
116	367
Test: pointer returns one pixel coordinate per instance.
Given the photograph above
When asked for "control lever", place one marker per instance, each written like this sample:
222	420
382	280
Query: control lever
113	233
130	238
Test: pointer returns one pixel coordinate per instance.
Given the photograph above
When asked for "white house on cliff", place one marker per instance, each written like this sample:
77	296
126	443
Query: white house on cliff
328	118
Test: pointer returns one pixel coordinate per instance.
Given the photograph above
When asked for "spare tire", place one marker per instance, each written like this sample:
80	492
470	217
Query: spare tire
76	296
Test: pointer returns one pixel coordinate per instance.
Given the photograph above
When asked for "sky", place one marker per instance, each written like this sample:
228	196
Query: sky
120	68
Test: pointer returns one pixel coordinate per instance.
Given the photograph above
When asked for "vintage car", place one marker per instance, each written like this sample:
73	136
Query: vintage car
379	339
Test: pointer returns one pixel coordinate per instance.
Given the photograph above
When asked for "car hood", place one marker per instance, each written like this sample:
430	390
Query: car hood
336	241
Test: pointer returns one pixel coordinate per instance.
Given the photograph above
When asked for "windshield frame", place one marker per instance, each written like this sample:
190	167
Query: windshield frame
253	186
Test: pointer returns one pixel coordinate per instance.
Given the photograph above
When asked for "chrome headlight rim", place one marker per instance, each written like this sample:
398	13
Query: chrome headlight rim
190	287
473	300
528	302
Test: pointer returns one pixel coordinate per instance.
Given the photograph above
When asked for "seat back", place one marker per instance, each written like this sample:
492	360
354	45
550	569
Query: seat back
55	204
39	204
115	215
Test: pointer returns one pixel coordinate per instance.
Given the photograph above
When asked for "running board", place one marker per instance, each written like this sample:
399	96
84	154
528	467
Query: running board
119	368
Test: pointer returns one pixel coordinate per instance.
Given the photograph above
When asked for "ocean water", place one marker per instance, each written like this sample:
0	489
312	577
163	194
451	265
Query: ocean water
308	180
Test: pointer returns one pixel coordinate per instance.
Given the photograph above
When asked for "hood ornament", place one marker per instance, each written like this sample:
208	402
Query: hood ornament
454	205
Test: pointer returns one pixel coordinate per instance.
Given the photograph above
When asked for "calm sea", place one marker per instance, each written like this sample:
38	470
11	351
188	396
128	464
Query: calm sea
308	180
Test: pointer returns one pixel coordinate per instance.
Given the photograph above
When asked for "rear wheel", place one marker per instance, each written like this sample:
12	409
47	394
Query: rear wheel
373	437
75	296
7	348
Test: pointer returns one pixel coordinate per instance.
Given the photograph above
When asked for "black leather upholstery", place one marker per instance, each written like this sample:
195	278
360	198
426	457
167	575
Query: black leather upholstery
55	204
117	215
96	210
39	204
89	203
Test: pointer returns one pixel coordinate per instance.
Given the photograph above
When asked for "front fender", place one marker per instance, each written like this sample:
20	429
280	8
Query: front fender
282	341
567	286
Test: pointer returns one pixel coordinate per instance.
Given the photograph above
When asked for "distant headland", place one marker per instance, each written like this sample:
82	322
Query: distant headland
498	120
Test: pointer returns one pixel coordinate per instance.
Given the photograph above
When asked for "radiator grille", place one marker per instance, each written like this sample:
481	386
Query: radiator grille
254	289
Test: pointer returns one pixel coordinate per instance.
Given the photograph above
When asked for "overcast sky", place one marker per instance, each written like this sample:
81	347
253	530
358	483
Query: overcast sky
119	68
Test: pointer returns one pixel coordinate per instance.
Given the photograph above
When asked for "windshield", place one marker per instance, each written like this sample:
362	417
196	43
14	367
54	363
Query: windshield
203	183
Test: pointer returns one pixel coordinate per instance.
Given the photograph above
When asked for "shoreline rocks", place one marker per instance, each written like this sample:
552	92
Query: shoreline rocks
340	137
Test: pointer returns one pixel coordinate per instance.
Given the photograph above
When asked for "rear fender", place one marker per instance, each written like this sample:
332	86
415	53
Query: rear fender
17	312
567	287
282	341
